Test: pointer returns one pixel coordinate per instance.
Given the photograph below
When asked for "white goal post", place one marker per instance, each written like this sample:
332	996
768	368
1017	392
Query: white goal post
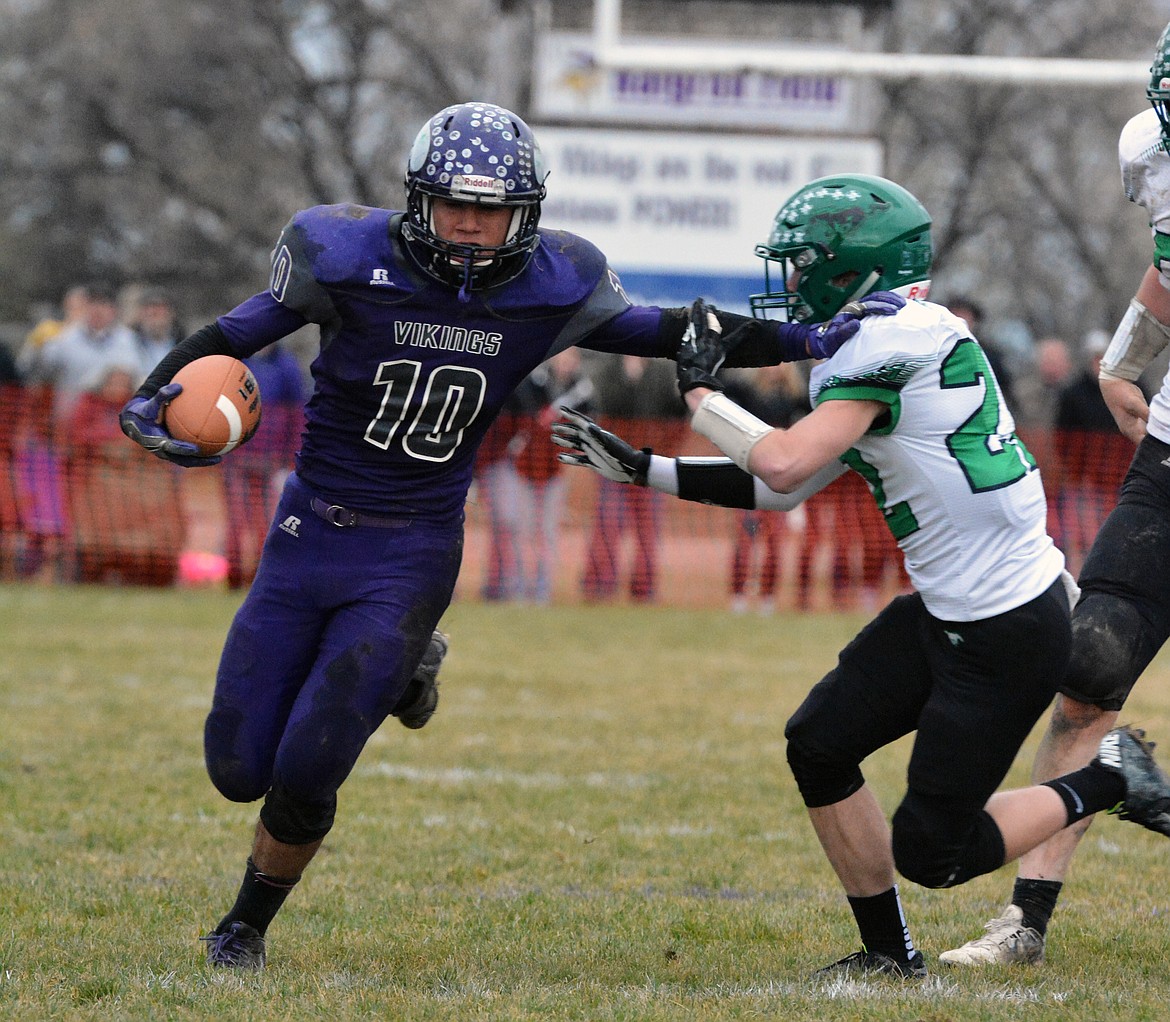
708	55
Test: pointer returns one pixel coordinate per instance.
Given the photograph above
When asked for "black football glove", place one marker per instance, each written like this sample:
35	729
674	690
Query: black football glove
596	448
701	352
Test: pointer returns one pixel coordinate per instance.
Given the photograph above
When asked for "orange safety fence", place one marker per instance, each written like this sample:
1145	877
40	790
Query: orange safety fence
80	503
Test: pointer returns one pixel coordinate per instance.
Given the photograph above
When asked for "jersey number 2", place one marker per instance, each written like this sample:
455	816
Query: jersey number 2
990	458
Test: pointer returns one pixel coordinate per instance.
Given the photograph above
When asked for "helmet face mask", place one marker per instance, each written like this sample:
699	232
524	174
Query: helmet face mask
1158	91
839	238
481	153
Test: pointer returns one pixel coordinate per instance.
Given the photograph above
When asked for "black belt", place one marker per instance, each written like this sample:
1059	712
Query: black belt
345	518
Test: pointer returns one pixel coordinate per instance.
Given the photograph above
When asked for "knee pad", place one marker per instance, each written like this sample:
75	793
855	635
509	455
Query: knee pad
821	780
233	782
296	821
939	844
234	778
1106	660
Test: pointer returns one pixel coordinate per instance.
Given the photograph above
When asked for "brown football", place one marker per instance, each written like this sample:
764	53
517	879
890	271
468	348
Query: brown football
219	408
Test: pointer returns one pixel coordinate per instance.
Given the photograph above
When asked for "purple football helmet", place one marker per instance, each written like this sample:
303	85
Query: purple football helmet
474	152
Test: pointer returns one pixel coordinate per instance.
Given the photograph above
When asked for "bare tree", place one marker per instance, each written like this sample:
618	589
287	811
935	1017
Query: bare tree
1023	181
170	142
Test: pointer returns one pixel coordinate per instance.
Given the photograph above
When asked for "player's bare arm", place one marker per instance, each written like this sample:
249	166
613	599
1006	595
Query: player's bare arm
1128	406
786	458
1140	331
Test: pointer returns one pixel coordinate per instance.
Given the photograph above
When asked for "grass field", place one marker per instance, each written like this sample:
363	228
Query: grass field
598	824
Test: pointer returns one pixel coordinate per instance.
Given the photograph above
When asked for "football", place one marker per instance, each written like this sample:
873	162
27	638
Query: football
219	408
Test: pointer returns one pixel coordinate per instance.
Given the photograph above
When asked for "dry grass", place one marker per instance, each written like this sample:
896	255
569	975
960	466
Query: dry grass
598	824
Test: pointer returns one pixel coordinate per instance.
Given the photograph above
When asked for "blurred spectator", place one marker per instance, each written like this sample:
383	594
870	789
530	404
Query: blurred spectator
634	396
39	513
497	484
78	359
125	512
254	474
538	501
156	329
1087	439
520	484
9	374
1037	396
73	304
779	396
971	312
968	310
11	417
1081	405
58	369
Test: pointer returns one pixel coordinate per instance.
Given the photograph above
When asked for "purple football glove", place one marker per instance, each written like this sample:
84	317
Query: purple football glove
825	338
139	420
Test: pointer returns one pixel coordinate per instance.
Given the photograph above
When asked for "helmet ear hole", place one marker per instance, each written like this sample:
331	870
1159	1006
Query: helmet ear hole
843	280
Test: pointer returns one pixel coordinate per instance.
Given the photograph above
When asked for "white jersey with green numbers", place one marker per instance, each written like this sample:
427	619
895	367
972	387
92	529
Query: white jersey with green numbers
960	492
1145	176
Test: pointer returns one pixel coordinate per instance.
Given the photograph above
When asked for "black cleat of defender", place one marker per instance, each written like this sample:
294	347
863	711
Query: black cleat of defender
1147	788
874	963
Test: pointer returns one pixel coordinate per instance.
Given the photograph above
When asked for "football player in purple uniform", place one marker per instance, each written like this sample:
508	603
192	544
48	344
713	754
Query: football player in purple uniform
429	319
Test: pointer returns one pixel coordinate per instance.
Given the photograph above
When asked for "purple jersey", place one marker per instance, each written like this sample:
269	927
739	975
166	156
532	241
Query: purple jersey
410	374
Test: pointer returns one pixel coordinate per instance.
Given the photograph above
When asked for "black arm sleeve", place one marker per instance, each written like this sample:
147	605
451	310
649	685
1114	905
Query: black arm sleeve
671	328
715	482
761	342
208	340
749	341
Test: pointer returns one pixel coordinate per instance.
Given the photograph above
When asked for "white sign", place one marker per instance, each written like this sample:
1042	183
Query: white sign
568	85
669	208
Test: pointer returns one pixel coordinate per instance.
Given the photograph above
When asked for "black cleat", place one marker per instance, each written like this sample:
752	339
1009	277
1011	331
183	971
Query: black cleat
1147	789
240	946
421	698
875	963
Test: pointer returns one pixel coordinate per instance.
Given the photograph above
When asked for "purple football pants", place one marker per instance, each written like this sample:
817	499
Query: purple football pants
322	647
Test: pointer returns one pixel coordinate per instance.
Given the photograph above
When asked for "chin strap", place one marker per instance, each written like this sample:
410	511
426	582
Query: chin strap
863	288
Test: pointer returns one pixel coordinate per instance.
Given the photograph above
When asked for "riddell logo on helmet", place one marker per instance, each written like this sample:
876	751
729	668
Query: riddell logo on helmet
477	184
919	291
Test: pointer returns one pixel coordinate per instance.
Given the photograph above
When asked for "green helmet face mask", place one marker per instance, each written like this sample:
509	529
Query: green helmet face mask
1158	91
844	236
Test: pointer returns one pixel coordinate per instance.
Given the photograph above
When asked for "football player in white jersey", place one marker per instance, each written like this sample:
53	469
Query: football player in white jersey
971	658
1123	617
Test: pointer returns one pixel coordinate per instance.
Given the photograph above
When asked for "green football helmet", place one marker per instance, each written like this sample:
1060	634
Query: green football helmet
1158	91
843	236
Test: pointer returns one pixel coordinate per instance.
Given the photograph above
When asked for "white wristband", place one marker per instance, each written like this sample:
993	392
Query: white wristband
732	429
662	474
1138	339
